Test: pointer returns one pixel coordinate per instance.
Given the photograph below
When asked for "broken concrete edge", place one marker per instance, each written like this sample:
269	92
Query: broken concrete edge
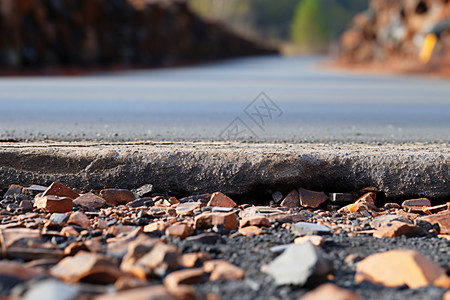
234	168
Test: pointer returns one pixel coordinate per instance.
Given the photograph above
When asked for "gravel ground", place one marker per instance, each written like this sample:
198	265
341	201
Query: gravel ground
97	224
250	253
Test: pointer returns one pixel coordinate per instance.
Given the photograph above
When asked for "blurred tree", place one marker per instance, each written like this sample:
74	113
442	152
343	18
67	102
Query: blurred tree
311	25
316	23
273	18
306	22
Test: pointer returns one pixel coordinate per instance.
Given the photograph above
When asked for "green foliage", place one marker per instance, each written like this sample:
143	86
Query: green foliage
311	24
306	22
318	22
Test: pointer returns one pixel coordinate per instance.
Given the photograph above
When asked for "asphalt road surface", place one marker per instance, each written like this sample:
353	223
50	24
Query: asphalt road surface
260	99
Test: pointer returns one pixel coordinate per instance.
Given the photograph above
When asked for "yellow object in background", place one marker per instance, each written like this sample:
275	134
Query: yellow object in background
427	47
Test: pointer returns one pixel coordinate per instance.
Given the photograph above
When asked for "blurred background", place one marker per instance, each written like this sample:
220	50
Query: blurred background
337	70
295	26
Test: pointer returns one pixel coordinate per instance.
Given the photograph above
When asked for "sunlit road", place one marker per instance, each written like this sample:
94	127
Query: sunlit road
216	101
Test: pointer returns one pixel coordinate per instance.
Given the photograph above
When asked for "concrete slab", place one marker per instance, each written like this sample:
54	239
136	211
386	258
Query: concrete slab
398	170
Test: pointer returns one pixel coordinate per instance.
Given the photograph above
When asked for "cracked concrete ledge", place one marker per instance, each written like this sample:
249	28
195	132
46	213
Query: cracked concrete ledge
398	170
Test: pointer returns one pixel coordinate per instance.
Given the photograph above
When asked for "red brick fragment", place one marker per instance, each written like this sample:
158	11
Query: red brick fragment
127	283
13	189
173	201
162	258
60	190
221	200
398	267
156	226
222	270
395	229
310	198
74	248
441	218
136	249
80	219
351	208
180	230
251	230
190	260
18	270
117	196
367	199
26	205
89	201
54	204
255	220
292	200
86	267
176	282
69	231
208	220
187	208
416	205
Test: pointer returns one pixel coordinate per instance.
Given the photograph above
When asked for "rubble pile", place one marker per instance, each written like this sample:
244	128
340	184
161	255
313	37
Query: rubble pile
41	34
393	35
139	244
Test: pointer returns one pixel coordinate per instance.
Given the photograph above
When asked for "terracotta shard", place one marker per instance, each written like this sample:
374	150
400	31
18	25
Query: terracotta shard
156	226
222	200
179	230
190	260
177	283
291	200
89	201
86	267
208	220
251	230
187	276
136	250
54	204
398	267
60	190
13	189
69	231
311	199
395	229
416	205
187	208
117	196
27	244
18	270
354	207
441	218
161	259
222	270
316	240
435	209
255	220
80	219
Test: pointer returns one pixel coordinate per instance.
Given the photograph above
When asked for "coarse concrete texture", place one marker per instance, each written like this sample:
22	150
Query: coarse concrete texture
234	168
